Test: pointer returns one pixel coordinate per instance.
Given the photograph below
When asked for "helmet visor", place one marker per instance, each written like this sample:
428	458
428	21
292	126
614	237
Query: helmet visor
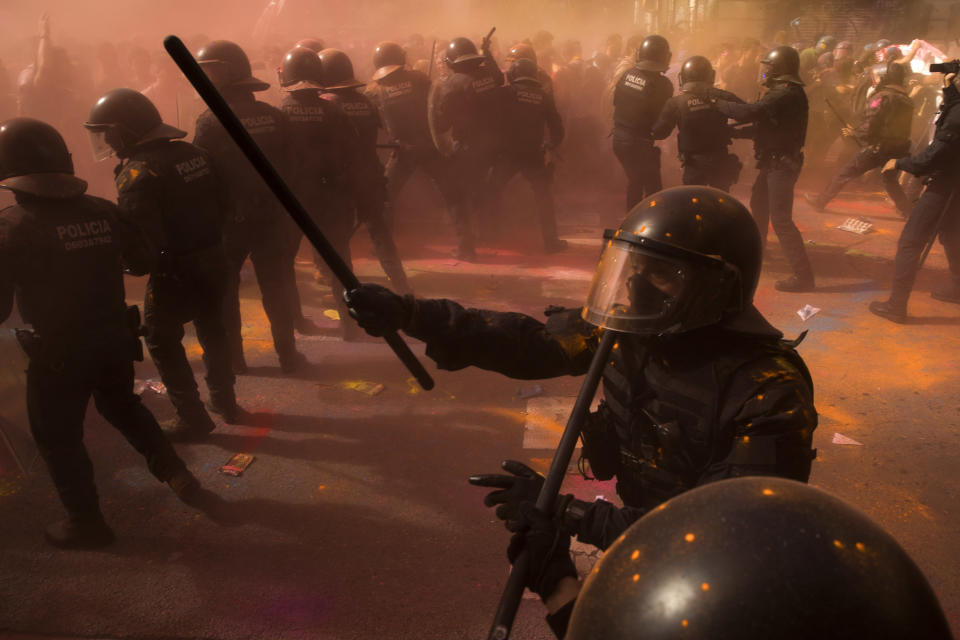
635	290
100	138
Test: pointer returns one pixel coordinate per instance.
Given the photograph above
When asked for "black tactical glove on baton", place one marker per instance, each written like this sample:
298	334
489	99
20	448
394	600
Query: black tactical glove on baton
378	310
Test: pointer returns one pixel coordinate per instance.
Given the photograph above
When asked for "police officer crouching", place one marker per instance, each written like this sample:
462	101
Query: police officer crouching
528	112
748	558
703	135
168	189
699	387
63	253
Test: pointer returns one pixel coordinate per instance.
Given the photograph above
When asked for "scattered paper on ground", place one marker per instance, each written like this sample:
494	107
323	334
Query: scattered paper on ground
363	386
856	225
333	314
839	438
237	464
807	312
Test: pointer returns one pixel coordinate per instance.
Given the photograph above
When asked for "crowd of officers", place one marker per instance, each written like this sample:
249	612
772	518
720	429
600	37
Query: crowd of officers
685	261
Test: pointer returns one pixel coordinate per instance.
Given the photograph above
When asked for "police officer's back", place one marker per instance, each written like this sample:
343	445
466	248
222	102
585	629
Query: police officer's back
370	193
62	252
531	128
257	227
703	135
638	99
401	95
168	188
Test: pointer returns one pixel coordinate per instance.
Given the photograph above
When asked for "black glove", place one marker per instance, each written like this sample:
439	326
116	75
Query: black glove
523	486
378	310
548	551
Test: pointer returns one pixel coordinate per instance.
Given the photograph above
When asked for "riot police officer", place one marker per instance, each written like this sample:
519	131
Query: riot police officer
781	127
525	50
62	252
884	133
936	213
257	227
747	558
325	177
467	108
370	196
168	189
700	386
401	95
703	135
638	99
528	112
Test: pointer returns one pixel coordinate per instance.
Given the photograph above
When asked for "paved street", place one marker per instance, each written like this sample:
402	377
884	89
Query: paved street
355	519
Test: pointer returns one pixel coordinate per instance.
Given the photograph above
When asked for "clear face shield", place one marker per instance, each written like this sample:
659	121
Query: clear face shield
635	290
104	142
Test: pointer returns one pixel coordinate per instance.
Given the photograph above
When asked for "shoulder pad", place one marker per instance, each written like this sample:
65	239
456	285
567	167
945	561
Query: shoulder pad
133	173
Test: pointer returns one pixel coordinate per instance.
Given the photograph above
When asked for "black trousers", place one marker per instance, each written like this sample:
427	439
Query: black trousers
267	244
58	391
469	171
371	205
531	165
192	290
771	203
404	162
936	213
719	169
641	164
859	164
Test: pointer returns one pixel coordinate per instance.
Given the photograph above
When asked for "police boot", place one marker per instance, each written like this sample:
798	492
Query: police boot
815	202
795	284
87	531
230	411
889	310
306	327
185	485
947	294
555	246
191	428
293	362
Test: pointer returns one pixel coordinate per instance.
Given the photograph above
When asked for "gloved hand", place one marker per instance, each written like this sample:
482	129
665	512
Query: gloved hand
548	550
522	486
377	309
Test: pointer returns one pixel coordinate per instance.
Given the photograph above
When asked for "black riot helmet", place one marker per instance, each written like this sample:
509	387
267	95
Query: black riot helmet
34	159
522	70
522	50
756	558
697	69
684	258
314	44
301	69
654	54
123	119
228	67
781	64
337	70
825	44
893	74
462	54
387	58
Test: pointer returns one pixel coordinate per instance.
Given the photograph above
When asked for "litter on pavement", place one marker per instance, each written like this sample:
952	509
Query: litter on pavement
839	438
856	225
237	464
807	312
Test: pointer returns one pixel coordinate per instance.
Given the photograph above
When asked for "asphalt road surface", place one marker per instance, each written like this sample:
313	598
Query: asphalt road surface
355	519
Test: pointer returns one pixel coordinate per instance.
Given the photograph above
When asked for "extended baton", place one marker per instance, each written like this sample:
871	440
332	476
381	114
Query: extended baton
842	121
513	592
218	106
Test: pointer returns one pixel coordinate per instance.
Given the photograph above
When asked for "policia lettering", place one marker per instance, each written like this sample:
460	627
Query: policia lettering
87	234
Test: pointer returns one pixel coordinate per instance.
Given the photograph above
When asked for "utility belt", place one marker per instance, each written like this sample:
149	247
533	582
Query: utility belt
726	165
791	160
893	148
171	264
41	351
